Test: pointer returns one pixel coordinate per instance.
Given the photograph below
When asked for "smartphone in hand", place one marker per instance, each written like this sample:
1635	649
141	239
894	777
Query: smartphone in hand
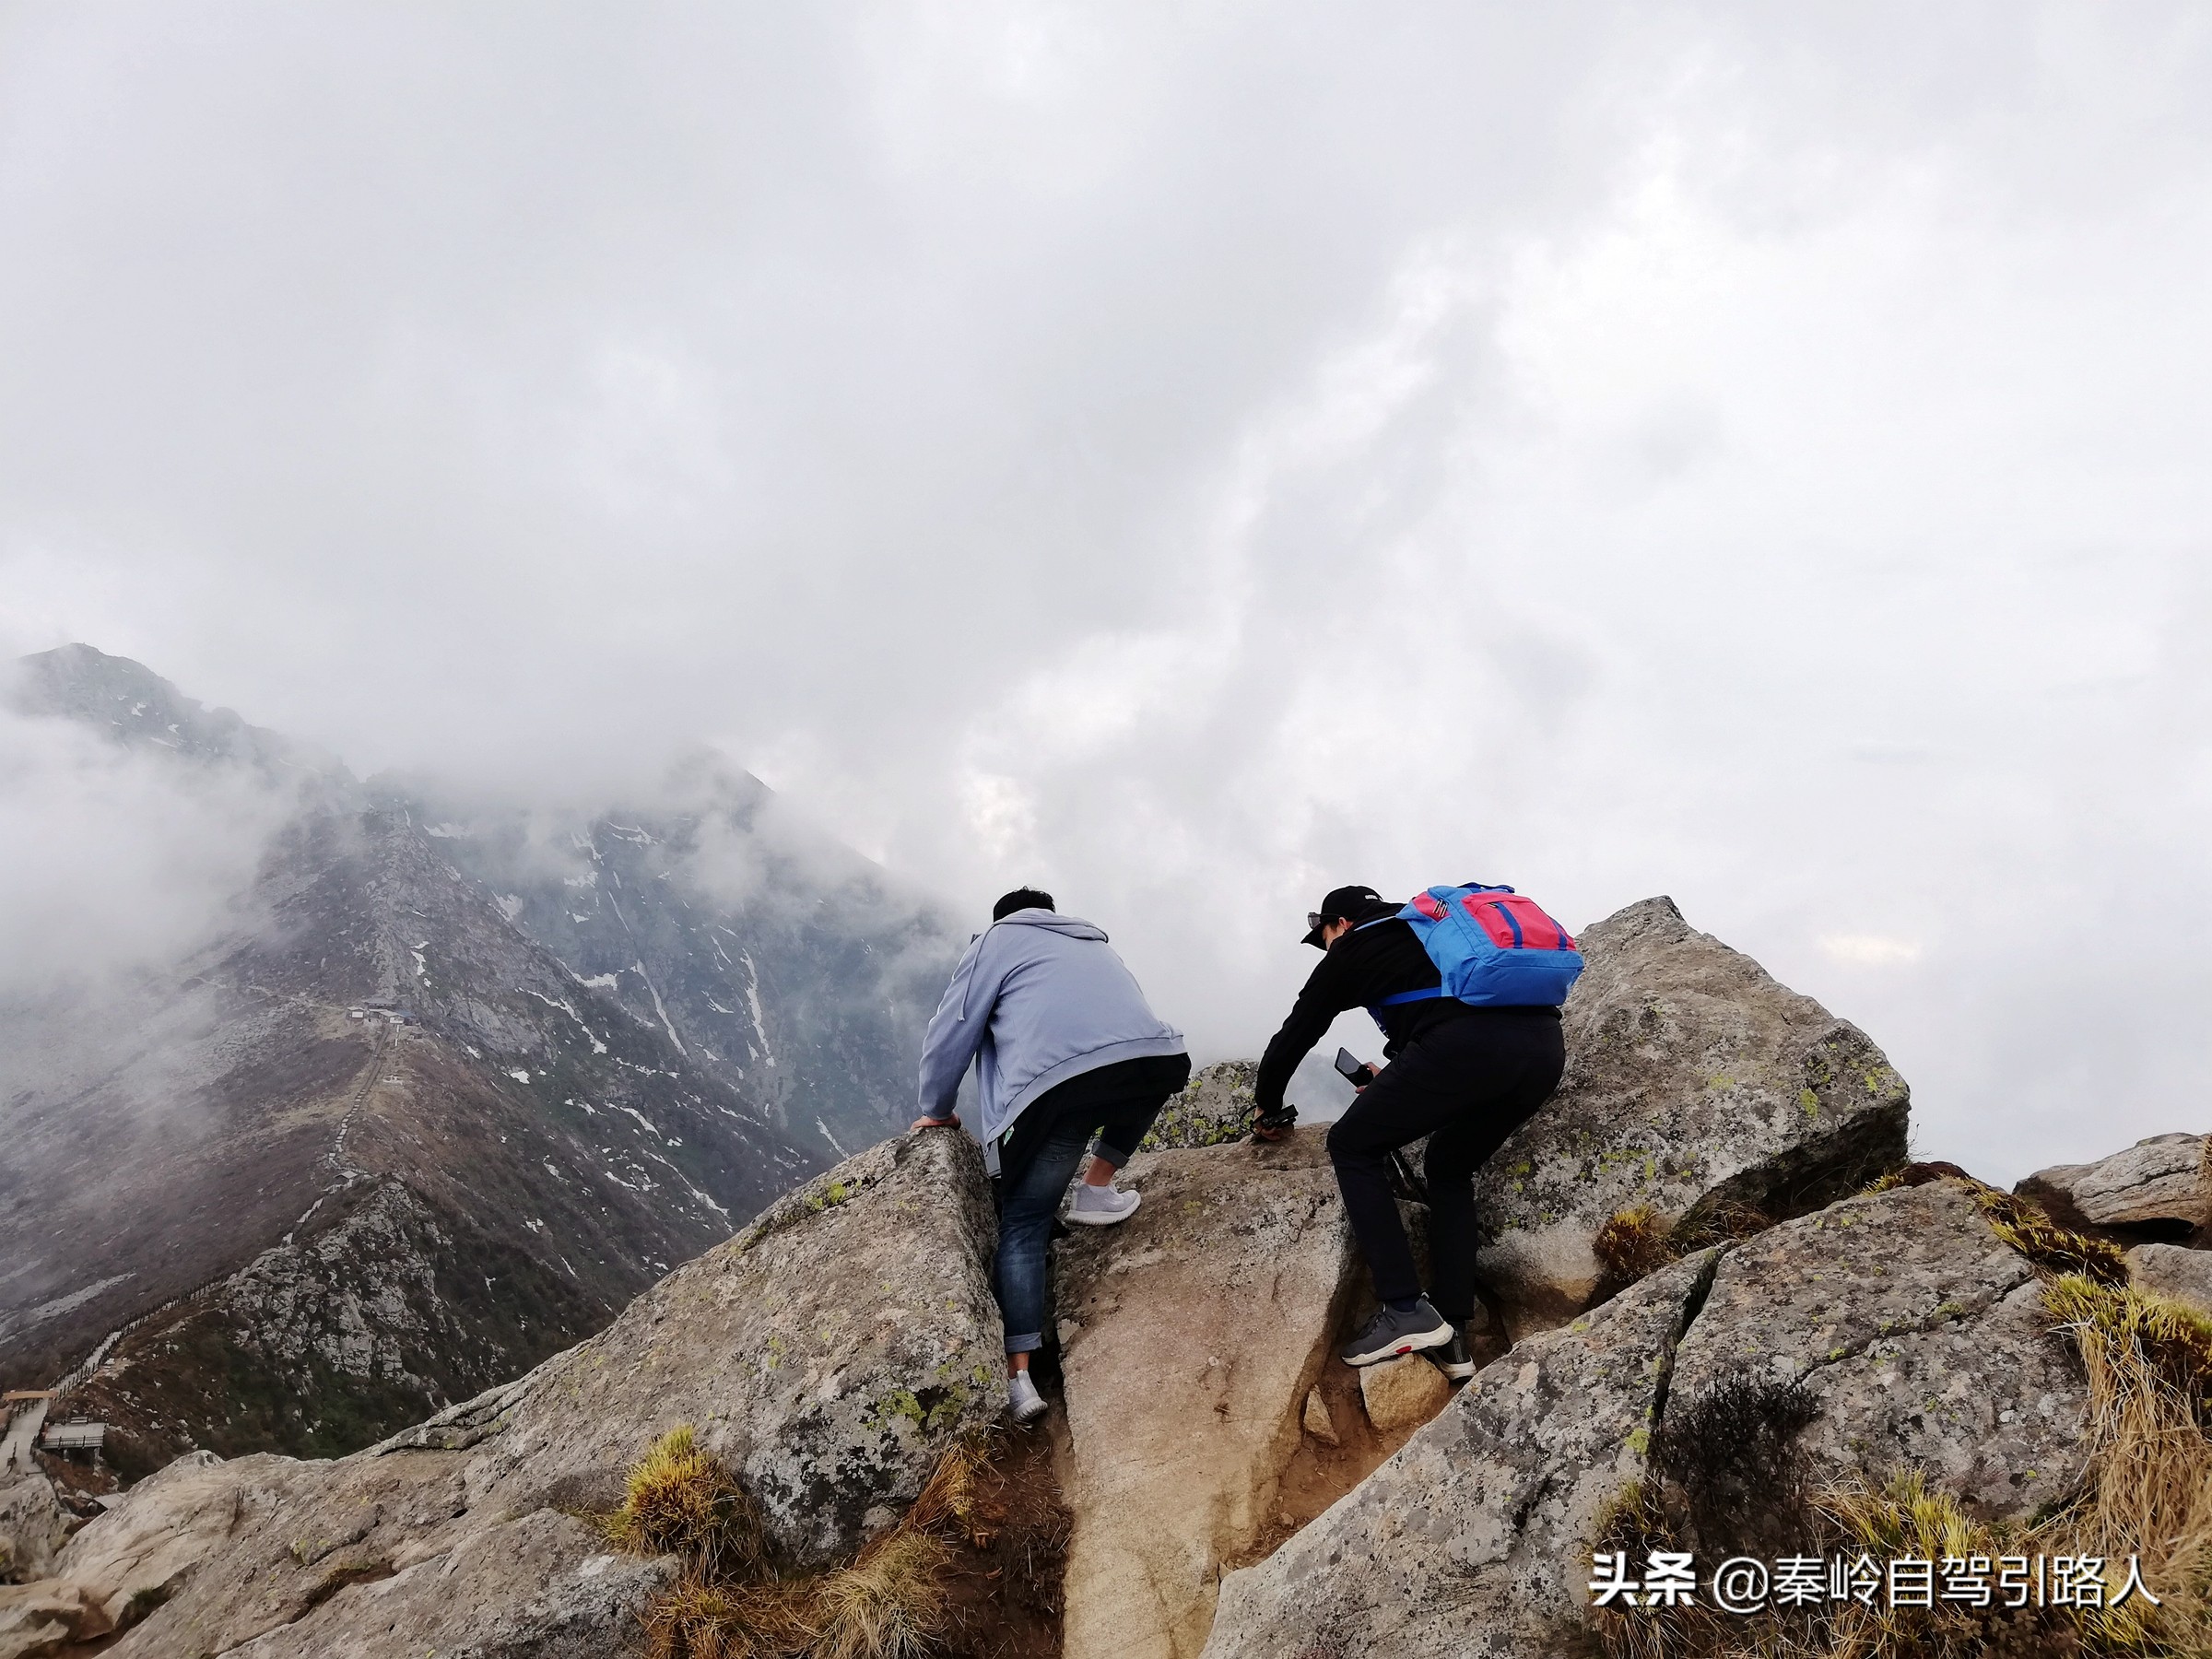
1355	1069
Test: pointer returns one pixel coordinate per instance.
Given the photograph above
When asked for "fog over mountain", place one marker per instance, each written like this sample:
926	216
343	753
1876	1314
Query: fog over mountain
1184	458
364	1094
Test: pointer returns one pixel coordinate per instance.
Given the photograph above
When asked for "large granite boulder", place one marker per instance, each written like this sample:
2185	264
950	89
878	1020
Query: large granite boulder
541	1585
1696	1087
32	1524
829	1354
2173	1272
137	1555
1190	1336
1214	1107
2154	1191
46	1617
1920	1340
1889	1332
33	1521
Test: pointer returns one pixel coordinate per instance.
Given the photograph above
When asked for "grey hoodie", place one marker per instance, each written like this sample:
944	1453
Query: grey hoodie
1038	998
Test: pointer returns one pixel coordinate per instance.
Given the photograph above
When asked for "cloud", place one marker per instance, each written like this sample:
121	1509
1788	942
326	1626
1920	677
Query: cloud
1190	459
1871	950
113	860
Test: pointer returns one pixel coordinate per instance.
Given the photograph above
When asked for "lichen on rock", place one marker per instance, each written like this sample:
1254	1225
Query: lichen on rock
1214	1108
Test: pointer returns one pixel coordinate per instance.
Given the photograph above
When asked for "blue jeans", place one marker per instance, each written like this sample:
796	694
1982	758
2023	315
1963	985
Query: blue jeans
1048	1142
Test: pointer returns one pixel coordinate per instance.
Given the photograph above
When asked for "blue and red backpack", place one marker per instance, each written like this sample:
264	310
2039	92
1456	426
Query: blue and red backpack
1493	948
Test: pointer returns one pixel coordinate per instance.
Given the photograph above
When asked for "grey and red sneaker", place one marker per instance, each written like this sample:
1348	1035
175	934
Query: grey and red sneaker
1388	1334
1455	1359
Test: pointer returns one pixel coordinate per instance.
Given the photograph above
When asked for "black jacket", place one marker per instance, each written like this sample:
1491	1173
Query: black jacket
1365	966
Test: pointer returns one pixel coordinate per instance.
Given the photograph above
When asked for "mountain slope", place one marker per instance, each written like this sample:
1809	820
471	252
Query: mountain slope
321	1215
775	961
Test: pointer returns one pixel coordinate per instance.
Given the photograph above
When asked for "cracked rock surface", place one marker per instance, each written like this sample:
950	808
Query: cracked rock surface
829	1354
1921	1337
1693	1079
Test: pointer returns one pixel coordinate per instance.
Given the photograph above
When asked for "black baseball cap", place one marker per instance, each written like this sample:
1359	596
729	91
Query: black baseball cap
1343	902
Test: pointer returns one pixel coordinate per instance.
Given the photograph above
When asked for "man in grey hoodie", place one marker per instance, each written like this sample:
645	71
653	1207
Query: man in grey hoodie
1064	1045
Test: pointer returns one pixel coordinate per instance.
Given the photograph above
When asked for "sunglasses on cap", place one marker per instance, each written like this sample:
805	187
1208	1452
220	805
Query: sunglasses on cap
1314	918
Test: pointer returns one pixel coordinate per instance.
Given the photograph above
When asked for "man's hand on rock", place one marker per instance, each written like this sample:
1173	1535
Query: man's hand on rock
950	1121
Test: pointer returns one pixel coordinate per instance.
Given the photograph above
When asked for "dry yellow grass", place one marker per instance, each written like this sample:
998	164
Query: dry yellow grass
1637	1522
2150	1363
954	1493
889	1605
2148	1494
680	1500
698	1619
2050	1246
1639	1241
1633	1242
728	1602
1904	1518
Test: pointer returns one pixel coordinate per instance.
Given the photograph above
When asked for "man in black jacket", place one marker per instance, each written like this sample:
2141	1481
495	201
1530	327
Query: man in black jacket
1464	1077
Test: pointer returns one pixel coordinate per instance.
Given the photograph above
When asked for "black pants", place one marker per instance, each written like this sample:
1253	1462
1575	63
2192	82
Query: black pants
1119	1100
1466	1083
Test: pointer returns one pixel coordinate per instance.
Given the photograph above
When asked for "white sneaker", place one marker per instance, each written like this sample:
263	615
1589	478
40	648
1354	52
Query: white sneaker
1029	1404
1100	1206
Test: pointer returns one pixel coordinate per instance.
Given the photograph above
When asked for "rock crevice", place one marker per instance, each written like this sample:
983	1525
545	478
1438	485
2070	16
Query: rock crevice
1190	1336
1706	1267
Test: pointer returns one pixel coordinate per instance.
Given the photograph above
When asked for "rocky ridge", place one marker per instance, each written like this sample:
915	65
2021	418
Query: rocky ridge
1234	1492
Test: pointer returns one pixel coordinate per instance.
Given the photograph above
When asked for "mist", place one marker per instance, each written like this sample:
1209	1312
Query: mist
116	862
1186	459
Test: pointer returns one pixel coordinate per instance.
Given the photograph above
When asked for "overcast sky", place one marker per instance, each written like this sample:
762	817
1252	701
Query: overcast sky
1190	456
